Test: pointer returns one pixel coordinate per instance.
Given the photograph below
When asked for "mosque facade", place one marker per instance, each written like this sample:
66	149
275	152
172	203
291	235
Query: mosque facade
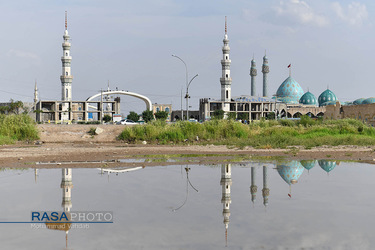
290	101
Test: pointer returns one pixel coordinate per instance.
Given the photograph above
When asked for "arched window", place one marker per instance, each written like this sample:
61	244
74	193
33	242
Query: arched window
66	53
167	109
157	109
226	76
66	73
227	94
66	95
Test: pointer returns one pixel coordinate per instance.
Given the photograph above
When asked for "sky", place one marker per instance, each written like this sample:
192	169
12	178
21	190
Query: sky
130	45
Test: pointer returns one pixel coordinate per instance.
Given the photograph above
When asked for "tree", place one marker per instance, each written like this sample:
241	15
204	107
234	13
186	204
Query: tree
231	116
133	116
147	115
243	116
107	118
161	115
14	107
218	114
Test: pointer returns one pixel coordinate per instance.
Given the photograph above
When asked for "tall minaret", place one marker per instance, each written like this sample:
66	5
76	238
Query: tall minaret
253	187
265	190
265	71
66	77
253	74
226	182
226	80
66	185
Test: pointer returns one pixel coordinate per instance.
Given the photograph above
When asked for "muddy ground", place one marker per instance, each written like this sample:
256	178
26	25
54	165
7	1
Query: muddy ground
72	146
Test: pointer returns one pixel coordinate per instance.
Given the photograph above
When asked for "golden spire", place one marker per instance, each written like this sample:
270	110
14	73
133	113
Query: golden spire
226	25
66	20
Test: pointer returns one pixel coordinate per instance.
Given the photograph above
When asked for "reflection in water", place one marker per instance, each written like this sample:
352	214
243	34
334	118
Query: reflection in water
327	166
265	190
66	186
290	172
187	169
253	187
308	164
226	182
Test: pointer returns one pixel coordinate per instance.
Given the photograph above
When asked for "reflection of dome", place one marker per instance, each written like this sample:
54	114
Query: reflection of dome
369	100
308	164
308	99
289	91
327	165
358	101
326	96
290	171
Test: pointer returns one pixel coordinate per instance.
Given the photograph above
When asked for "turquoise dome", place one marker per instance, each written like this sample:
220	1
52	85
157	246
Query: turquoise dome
308	164
289	91
326	96
328	103
308	99
369	100
290	171
327	165
358	101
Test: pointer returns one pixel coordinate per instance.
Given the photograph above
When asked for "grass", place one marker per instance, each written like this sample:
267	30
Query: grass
261	134
17	128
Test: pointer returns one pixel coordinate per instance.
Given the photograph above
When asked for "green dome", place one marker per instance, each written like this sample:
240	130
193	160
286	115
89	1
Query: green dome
308	99
329	103
369	100
327	165
308	164
289	91
326	96
358	101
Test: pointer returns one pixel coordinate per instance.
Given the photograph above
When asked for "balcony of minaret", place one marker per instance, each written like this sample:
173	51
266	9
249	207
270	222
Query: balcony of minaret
226	62
66	58
66	46
224	80
67	79
226	49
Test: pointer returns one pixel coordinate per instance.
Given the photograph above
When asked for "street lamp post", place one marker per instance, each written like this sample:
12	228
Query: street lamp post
182	112
187	97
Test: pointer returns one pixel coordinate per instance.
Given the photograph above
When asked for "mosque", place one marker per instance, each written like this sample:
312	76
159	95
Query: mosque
290	101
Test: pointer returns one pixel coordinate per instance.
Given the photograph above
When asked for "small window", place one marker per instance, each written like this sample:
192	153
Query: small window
226	76
66	53
167	110
66	73
66	97
227	94
67	171
226	58
157	109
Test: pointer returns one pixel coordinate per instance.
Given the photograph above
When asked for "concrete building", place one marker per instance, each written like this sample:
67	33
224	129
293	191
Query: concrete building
163	107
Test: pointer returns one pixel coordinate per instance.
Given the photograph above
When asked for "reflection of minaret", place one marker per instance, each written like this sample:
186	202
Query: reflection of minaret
36	174
35	95
66	185
226	182
253	74
253	187
265	190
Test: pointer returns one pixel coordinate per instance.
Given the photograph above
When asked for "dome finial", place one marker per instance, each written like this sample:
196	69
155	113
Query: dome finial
290	69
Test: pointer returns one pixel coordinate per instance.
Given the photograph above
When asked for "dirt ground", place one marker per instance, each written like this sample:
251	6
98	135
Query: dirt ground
72	146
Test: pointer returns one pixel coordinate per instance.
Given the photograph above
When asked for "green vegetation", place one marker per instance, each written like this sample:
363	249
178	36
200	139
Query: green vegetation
147	115
133	116
218	114
107	118
161	115
305	132
17	128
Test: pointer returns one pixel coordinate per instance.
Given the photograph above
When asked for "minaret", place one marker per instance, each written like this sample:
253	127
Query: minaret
226	182
253	74
265	71
226	79
66	77
35	93
265	190
66	185
253	187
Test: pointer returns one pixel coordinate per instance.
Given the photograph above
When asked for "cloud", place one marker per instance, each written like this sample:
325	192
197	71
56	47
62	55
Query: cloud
354	14
22	54
301	12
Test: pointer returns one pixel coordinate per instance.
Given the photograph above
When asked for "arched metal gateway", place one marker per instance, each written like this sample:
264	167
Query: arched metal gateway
122	92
